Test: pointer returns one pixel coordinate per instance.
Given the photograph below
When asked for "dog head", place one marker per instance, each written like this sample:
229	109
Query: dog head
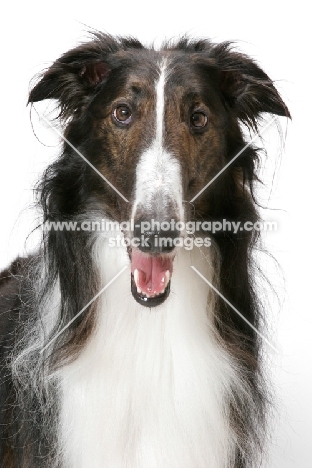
158	125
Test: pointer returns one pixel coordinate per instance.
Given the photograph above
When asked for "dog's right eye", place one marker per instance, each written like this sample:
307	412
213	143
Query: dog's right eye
122	114
198	120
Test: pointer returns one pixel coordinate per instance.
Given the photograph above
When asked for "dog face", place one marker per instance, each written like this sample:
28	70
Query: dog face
159	125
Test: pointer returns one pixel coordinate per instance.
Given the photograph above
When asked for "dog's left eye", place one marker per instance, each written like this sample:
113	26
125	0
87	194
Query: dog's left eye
123	114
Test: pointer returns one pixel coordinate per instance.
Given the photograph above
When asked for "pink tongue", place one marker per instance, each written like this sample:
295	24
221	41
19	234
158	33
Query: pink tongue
151	271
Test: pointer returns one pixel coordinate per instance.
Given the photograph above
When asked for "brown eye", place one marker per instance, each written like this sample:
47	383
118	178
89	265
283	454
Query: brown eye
198	120
123	114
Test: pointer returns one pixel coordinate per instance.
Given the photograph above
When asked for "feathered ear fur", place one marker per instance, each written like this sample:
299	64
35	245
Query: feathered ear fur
72	78
246	87
75	75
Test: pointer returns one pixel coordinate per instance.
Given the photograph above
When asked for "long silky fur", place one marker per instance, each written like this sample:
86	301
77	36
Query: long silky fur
47	291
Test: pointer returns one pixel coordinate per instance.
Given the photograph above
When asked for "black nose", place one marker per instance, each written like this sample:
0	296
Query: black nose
151	239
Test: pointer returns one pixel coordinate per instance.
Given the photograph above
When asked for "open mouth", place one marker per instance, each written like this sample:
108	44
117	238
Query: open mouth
150	277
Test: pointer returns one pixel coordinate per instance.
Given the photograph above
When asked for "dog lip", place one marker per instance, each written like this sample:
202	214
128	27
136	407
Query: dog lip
171	254
153	301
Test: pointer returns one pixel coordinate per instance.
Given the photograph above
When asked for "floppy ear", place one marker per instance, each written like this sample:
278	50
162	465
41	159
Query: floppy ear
72	78
245	86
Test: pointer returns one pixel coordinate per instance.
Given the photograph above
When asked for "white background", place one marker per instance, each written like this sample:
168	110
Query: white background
276	34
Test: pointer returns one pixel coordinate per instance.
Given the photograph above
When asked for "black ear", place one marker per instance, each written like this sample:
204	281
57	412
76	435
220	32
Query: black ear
72	78
246	87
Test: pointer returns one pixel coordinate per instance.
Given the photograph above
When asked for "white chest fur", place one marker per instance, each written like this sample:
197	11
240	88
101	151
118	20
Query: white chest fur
150	390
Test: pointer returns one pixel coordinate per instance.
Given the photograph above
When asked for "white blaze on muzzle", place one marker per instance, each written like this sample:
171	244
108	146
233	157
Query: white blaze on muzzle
158	189
158	197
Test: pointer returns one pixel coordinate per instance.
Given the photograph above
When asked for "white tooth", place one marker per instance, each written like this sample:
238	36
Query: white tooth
136	276
147	295
167	276
139	290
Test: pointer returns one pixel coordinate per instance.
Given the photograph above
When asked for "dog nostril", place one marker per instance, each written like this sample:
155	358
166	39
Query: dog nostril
155	241
158	241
